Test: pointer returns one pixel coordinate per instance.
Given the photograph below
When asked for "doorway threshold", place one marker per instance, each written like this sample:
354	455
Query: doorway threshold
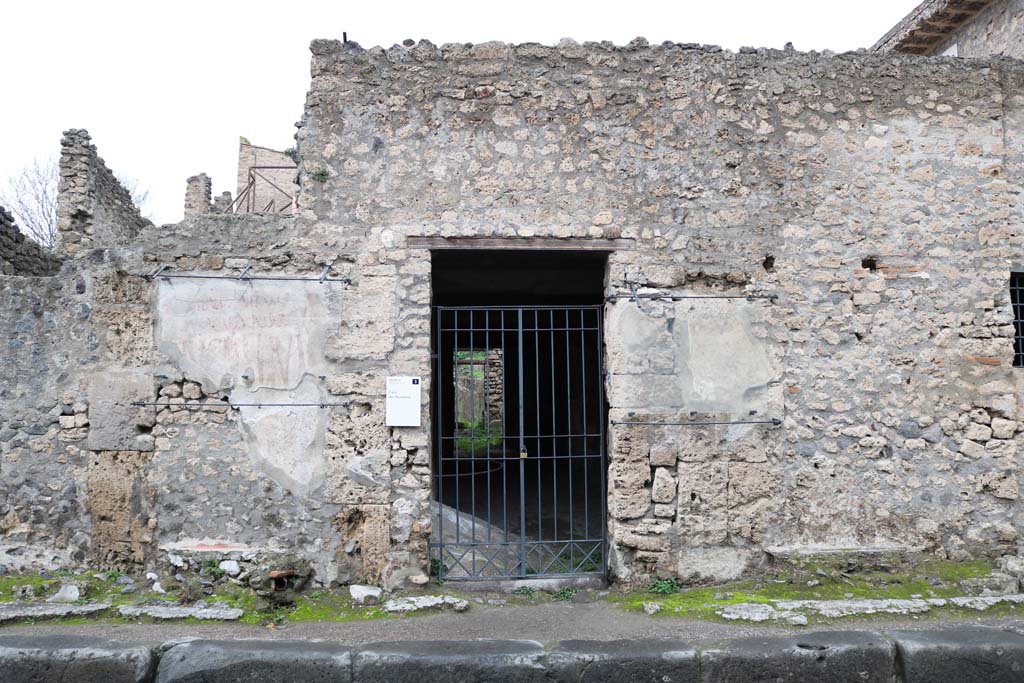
547	584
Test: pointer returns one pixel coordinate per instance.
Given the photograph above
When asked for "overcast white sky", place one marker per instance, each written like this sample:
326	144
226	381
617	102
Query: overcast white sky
166	88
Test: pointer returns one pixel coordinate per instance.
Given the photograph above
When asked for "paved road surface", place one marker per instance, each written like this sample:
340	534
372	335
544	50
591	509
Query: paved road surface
546	623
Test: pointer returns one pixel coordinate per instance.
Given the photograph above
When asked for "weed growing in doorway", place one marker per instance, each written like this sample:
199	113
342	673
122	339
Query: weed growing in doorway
476	437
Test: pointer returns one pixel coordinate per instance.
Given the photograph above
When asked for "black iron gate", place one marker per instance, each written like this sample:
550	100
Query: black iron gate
519	440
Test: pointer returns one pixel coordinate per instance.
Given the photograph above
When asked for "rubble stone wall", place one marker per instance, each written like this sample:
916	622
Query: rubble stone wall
869	205
93	208
198	194
21	256
875	197
328	482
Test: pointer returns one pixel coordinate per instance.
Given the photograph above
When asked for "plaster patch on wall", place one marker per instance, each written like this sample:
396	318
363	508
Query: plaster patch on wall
689	355
259	342
286	443
722	365
224	332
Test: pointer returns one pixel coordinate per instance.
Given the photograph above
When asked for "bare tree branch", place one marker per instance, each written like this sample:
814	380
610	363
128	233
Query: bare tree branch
32	197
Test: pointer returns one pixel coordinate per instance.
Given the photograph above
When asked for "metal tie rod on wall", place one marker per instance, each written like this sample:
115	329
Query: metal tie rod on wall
774	421
164	404
243	276
678	297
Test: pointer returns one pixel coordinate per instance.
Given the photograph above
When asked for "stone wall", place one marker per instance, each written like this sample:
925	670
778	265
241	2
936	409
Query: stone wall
93	208
198	194
997	30
330	482
870	205
875	196
20	255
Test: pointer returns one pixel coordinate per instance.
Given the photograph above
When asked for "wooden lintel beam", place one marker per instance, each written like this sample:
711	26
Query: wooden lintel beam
535	243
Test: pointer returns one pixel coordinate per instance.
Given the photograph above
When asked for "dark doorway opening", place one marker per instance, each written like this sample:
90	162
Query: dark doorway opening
518	414
517	277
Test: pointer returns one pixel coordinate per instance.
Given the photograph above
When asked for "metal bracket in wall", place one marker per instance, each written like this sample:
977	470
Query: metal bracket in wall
634	295
155	274
244	276
774	421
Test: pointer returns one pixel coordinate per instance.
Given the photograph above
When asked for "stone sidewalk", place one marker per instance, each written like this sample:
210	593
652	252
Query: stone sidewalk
546	623
962	655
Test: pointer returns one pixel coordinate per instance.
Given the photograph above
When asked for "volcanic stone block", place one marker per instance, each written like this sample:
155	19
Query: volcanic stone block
509	661
209	661
626	661
965	655
56	659
836	657
114	423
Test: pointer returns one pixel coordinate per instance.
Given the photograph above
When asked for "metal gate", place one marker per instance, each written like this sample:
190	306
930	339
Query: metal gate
519	440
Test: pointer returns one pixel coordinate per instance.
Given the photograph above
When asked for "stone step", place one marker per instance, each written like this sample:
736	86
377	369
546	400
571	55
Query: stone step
25	611
796	611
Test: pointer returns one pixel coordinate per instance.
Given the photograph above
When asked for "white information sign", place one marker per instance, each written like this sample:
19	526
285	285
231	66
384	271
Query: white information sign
402	406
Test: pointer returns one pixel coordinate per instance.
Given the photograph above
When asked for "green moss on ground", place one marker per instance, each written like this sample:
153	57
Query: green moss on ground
316	606
42	585
929	579
332	608
805	581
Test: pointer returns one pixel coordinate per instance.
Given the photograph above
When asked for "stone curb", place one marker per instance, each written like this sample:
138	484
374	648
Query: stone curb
254	660
966	655
81	659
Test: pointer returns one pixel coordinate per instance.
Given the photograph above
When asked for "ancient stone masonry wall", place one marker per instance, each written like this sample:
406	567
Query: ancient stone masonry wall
93	209
873	196
77	350
331	483
63	339
198	194
998	30
20	255
868	204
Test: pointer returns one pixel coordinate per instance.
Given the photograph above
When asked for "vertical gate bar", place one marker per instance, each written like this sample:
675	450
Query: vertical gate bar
602	422
522	465
439	446
568	410
455	428
586	450
554	429
536	441
504	426
472	443
487	411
